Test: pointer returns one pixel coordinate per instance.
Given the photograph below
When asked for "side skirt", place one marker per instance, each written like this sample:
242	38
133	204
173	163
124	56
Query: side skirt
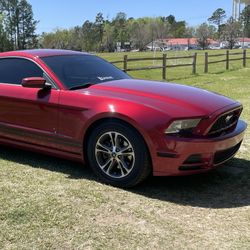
42	149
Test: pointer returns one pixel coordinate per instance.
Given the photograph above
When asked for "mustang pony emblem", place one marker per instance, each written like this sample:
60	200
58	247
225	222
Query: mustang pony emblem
228	119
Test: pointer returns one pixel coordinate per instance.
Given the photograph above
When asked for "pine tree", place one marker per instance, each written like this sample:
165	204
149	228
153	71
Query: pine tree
4	43
26	26
19	23
99	26
218	18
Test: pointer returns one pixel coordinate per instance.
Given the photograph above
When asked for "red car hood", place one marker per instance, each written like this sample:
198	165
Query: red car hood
166	97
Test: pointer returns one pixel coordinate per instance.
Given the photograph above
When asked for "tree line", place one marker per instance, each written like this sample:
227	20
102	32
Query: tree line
18	30
105	35
222	29
17	25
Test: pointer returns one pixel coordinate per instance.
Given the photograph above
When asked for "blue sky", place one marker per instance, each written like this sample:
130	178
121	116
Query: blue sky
68	13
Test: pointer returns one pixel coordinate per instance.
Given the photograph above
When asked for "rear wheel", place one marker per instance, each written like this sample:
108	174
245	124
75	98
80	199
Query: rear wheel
118	154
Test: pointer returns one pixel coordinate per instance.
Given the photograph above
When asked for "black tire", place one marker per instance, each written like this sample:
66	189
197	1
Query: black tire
130	162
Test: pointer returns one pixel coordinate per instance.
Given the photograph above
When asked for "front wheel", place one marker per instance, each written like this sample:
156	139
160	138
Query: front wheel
118	154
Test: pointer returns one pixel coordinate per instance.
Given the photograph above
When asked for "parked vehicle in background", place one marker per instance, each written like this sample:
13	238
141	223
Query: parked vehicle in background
214	47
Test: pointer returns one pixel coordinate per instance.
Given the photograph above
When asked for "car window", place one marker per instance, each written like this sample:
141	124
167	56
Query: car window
13	70
74	70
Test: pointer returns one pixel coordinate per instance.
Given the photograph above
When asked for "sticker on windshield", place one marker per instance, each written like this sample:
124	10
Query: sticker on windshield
105	78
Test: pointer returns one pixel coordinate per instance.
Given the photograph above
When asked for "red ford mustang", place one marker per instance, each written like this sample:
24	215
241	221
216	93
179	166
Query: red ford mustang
80	107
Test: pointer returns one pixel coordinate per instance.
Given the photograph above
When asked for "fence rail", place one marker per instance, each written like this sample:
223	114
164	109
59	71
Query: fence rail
227	59
164	59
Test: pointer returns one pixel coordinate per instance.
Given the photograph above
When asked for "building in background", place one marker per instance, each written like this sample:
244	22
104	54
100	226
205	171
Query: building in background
179	44
243	43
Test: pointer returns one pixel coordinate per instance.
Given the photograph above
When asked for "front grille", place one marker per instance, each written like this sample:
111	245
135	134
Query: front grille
222	156
225	122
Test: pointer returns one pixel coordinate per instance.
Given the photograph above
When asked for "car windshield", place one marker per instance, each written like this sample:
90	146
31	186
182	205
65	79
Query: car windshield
83	70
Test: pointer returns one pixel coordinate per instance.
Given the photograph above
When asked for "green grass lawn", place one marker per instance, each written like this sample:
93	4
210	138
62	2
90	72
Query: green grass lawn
49	203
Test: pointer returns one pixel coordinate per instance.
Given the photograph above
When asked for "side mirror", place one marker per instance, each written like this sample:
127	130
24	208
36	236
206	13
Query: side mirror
34	82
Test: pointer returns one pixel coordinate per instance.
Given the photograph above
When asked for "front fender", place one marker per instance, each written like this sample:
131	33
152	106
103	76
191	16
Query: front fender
148	122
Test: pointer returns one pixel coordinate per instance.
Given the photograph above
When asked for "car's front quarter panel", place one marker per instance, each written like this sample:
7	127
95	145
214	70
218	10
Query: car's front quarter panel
78	111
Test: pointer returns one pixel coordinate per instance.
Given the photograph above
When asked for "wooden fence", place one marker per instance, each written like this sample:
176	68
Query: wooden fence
227	59
164	61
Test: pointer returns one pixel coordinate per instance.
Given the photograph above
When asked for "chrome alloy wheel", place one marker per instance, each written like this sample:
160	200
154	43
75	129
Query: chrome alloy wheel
114	154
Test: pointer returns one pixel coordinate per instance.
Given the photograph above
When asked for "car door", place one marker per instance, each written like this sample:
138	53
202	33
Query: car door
27	115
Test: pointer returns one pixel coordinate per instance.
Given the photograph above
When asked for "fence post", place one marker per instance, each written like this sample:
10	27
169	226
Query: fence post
194	63
206	63
244	58
227	60
164	67
125	63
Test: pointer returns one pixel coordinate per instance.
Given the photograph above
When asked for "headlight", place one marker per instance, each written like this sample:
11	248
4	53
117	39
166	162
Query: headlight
182	126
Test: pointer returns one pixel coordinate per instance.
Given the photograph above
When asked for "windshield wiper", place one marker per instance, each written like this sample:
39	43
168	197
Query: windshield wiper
81	86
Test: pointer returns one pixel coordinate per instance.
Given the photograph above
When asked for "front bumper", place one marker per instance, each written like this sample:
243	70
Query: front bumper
186	156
